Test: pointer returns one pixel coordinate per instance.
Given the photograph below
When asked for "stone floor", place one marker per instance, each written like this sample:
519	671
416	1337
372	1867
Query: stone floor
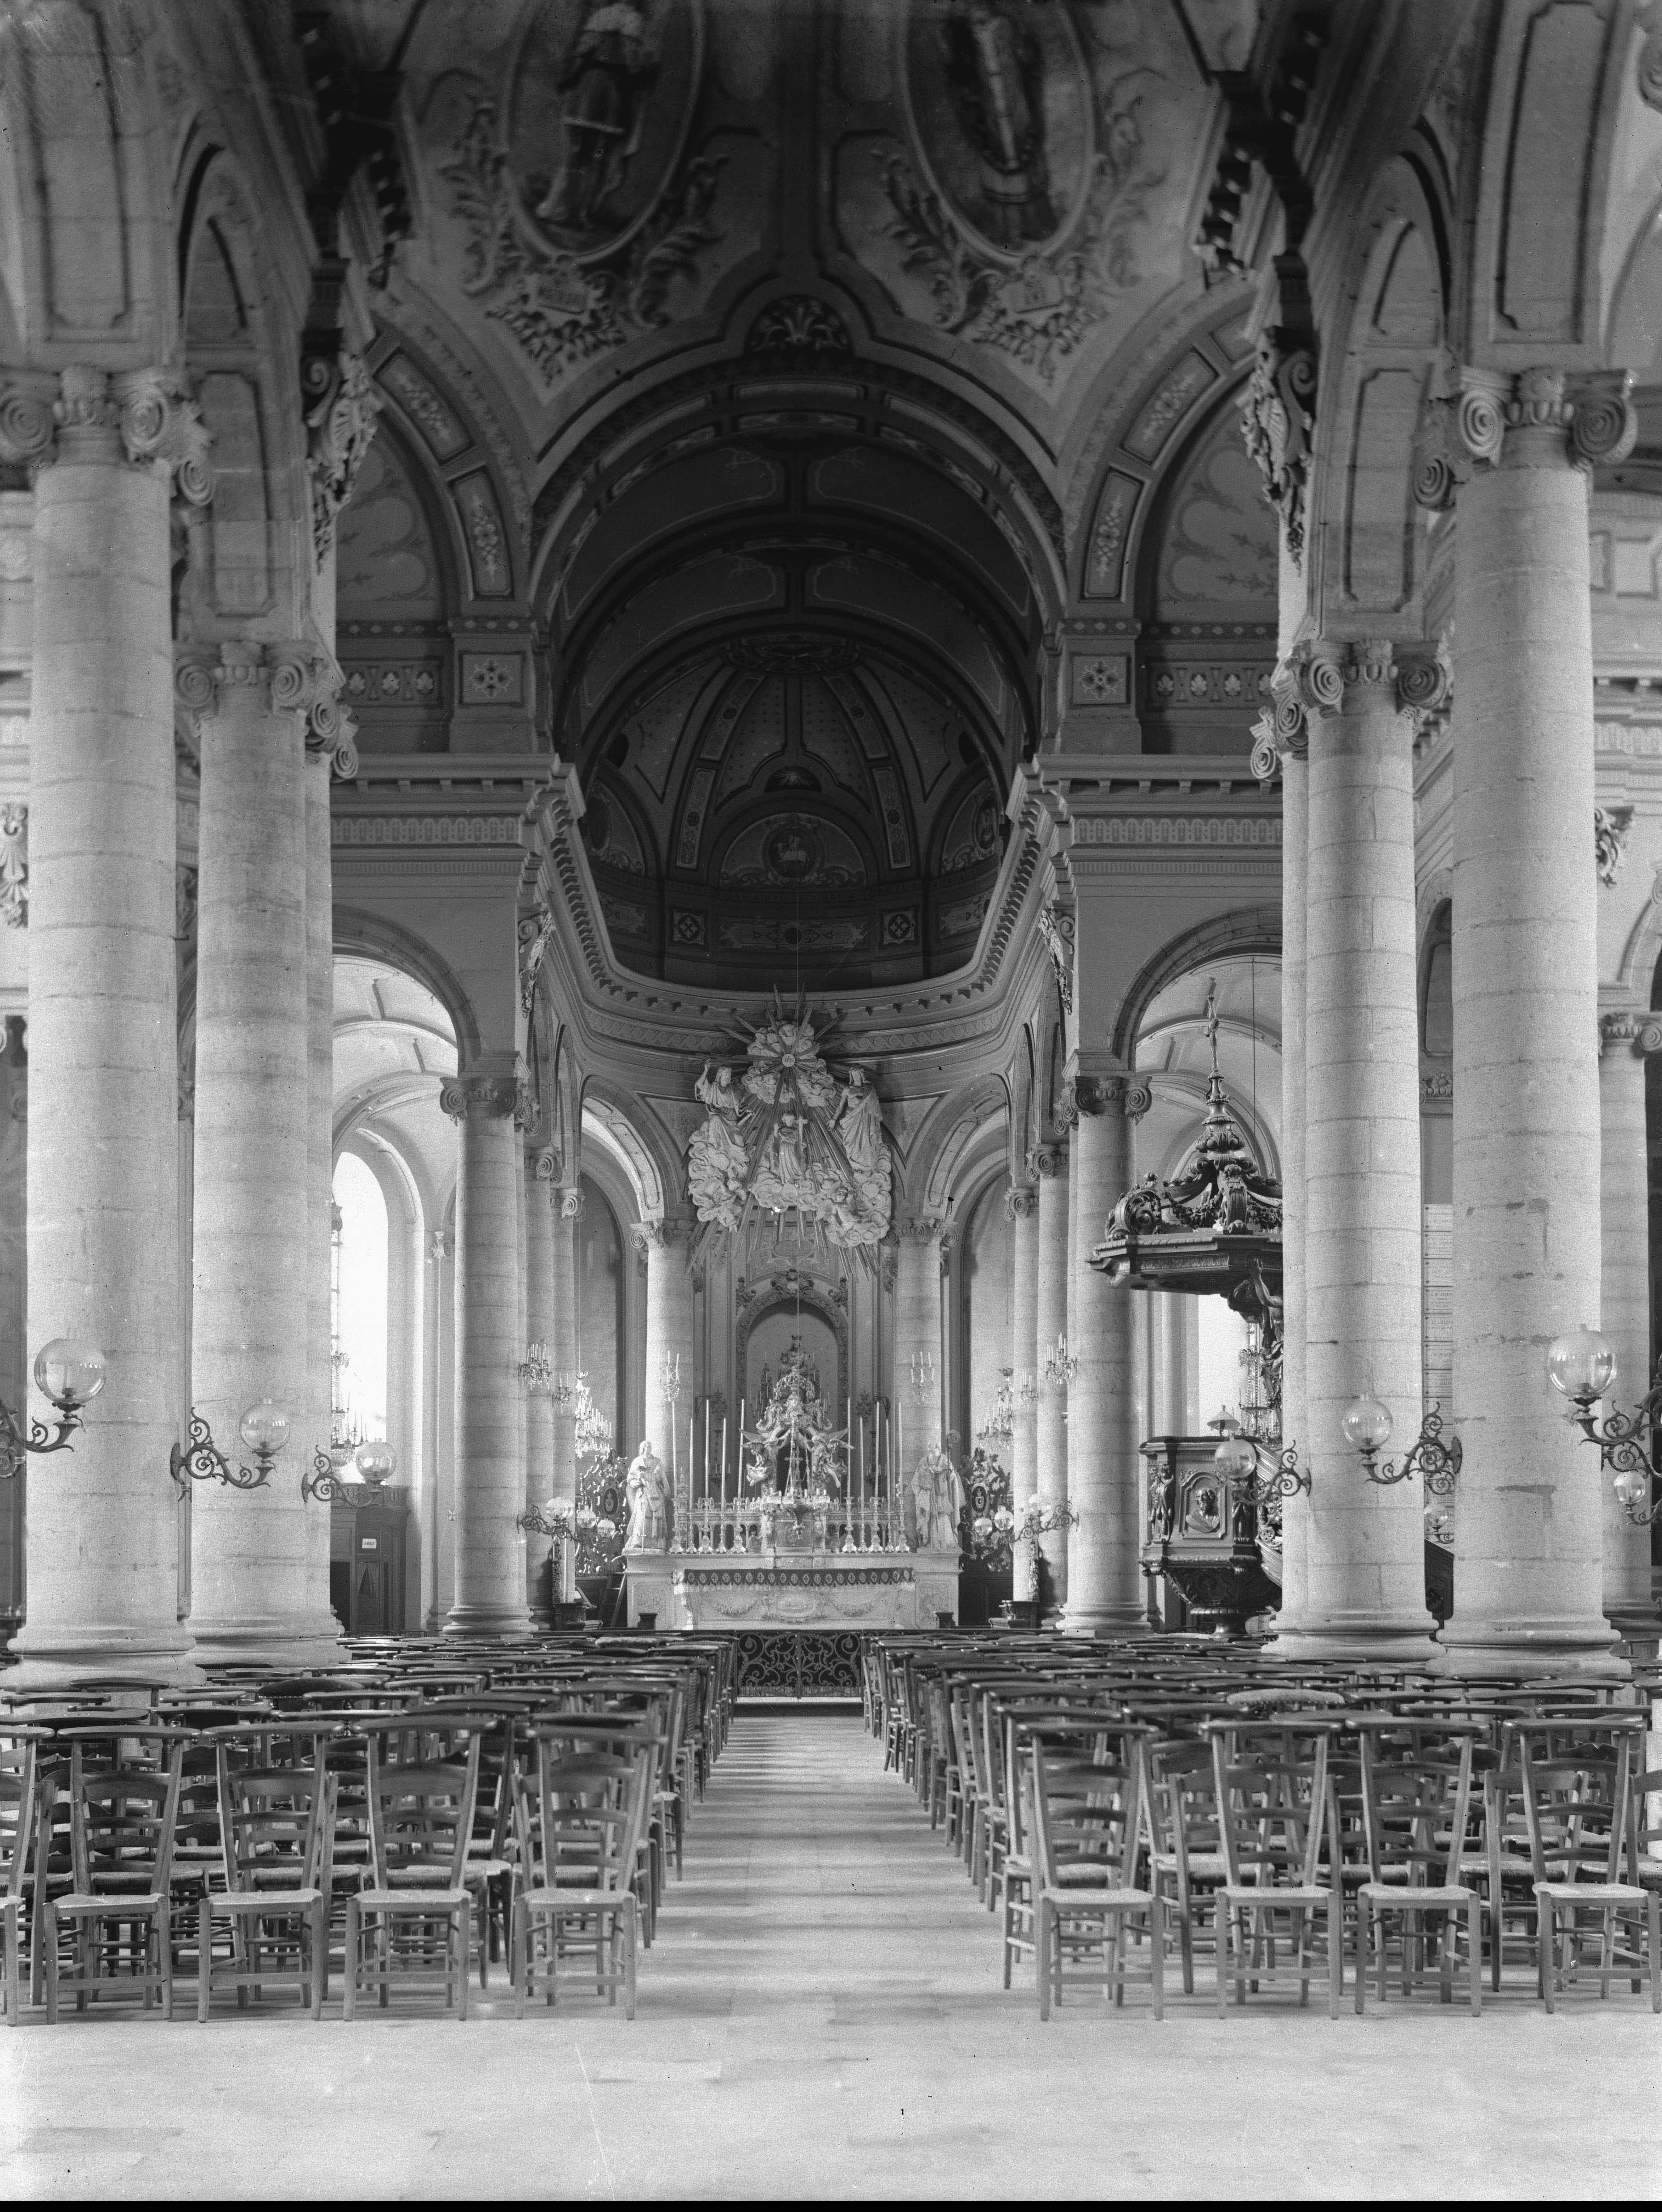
821	2016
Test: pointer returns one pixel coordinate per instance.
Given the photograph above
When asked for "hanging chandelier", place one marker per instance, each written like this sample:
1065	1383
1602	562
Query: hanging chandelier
784	1136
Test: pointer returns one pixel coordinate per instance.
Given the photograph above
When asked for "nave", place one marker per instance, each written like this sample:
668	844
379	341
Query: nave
822	2017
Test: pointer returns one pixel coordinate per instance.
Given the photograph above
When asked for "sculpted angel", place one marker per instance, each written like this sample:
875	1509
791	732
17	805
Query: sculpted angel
716	1161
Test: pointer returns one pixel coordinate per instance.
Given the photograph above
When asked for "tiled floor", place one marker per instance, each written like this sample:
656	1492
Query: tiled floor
822	2017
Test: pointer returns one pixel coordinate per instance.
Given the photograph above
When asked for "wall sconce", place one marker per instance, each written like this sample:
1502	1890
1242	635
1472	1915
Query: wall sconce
1001	1421
1366	1424
1583	1367
265	1431
1236	1461
536	1373
1026	1390
921	1368
669	1378
68	1374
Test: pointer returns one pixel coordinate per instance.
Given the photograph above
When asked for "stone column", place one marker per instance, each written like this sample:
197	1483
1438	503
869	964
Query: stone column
1021	1203
566	1213
1625	1293
103	1122
542	1195
490	1481
253	1593
1529	1540
325	740
924	1242
1050	1162
1364	1588
667	1245
1288	737
1105	1573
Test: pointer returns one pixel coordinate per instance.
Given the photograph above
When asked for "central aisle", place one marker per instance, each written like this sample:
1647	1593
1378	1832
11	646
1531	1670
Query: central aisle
820	2017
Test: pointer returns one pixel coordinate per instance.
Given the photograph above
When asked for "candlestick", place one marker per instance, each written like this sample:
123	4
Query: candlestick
706	1447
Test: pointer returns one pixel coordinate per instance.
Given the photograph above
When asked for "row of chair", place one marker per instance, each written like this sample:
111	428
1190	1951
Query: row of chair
410	1816
1123	1807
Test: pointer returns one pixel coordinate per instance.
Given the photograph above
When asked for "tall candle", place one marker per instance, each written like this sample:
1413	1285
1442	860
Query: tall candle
723	1462
706	1447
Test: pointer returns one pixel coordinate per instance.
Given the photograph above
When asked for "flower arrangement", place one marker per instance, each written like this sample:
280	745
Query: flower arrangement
985	1535
601	1515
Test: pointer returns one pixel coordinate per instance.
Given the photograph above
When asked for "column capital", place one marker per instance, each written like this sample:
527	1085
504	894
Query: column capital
1638	1029
478	1097
919	1227
1588	418
1022	1201
660	1233
1324	673
299	680
1046	1161
569	1201
150	412
547	1164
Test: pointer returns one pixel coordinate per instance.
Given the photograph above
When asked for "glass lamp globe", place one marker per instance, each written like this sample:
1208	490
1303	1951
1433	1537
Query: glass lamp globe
1366	1424
376	1462
1632	1487
68	1372
1235	1459
265	1427
1582	1365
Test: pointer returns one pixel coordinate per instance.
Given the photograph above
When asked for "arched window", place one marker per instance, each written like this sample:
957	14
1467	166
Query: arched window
360	1301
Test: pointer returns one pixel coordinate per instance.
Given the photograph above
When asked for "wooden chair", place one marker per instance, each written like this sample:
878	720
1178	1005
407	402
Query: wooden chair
1086	1823
121	1837
1273	1801
579	1834
18	1783
415	1915
1187	1863
1417	1807
276	1836
1577	1787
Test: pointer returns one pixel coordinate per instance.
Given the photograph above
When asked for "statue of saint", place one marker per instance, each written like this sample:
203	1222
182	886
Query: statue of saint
606	75
651	1507
717	1163
938	1501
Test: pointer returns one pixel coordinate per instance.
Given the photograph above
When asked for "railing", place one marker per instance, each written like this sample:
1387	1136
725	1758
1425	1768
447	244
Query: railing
767	1525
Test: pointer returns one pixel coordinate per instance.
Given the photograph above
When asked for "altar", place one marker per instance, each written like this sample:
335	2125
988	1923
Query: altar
821	1590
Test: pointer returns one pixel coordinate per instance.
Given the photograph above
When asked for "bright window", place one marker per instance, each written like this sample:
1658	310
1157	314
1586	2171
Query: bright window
361	1318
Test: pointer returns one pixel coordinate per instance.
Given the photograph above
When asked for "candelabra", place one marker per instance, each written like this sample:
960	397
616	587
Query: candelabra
1027	1389
1001	1421
669	1376
1366	1424
67	1374
265	1431
1583	1367
536	1374
1059	1364
594	1431
921	1371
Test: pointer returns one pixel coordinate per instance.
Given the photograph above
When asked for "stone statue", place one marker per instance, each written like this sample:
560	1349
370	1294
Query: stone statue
717	1163
937	1500
646	1486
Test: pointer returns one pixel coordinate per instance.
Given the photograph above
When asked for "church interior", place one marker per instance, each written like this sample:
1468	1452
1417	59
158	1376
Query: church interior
830	1096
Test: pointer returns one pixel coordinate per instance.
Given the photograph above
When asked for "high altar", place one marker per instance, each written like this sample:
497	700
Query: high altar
799	1549
808	1530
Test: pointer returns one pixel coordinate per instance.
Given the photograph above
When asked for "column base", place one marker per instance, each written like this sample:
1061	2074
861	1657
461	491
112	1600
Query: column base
1080	1618
1530	1649
1396	1638
51	1659
488	1620
287	1641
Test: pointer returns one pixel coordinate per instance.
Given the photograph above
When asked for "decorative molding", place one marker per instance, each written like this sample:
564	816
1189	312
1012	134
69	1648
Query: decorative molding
1610	825
15	865
440	1244
427	829
1440	1084
1183	829
28	429
536	935
797	330
1278	407
1056	928
486	1097
341	405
